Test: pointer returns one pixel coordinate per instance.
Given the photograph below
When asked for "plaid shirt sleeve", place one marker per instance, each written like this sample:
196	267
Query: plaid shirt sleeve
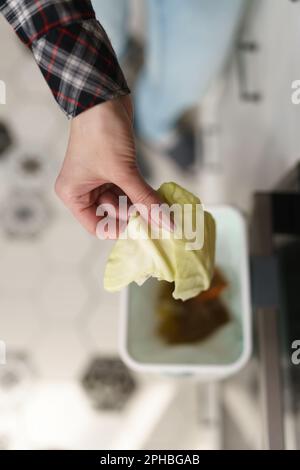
71	49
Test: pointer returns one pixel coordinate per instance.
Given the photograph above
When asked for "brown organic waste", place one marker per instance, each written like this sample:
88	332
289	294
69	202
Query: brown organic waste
195	319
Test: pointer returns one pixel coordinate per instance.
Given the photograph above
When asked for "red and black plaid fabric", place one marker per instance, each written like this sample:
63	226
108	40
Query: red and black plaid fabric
71	48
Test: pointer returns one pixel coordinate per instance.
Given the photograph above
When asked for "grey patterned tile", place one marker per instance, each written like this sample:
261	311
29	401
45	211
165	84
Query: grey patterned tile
30	170
24	214
16	379
6	139
108	383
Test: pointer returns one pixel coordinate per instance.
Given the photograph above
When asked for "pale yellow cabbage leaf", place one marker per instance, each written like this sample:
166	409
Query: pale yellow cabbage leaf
165	259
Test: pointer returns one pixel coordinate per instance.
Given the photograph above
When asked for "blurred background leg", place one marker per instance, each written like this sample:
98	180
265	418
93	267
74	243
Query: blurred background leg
187	46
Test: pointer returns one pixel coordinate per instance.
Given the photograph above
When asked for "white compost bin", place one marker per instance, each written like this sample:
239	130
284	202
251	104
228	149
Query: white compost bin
220	355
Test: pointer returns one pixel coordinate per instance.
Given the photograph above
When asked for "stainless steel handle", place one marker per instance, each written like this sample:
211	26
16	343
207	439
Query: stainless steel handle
271	389
270	379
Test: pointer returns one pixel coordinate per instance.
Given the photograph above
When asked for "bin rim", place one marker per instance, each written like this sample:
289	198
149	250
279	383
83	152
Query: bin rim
209	371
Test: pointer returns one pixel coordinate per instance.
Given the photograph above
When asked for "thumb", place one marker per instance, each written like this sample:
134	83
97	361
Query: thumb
140	193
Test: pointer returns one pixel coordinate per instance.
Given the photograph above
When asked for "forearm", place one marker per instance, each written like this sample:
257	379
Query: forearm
71	49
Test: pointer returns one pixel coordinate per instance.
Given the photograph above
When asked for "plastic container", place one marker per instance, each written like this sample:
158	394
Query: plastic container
222	354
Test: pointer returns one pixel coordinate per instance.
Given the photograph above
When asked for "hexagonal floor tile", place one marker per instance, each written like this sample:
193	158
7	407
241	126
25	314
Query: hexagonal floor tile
19	321
58	416
35	88
22	269
108	383
22	116
66	243
16	379
92	267
63	294
16	55
30	170
102	321
24	214
59	352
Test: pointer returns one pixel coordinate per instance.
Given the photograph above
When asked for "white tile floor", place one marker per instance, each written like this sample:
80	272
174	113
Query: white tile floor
52	303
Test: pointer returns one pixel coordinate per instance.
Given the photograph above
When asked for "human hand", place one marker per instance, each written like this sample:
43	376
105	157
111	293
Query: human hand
100	163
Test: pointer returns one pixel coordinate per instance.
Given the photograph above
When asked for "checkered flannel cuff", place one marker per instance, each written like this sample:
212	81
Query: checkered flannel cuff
79	66
71	48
